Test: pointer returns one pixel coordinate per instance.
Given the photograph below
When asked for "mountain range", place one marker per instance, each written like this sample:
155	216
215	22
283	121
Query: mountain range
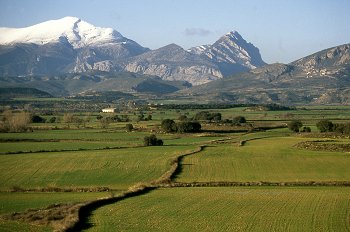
71	45
69	56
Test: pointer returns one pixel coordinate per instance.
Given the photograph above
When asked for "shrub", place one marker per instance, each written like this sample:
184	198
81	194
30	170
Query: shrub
105	122
152	141
342	128
306	129
168	125
18	122
188	127
129	127
325	126
238	120
295	125
182	118
52	120
38	119
207	116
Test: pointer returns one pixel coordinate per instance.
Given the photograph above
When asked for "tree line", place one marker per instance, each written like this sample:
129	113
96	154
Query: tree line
322	126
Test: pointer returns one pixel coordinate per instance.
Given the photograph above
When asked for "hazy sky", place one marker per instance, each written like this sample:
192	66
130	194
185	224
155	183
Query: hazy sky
283	30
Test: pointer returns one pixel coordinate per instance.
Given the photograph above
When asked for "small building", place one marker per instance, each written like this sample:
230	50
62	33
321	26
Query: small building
109	110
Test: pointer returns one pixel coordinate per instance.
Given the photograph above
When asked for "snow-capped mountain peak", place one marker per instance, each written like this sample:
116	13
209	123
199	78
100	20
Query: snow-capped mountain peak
76	31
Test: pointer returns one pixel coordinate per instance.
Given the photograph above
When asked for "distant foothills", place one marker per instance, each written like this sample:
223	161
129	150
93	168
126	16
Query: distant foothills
69	56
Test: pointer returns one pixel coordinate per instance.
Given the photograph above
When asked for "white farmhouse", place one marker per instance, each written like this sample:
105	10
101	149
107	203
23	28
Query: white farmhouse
109	110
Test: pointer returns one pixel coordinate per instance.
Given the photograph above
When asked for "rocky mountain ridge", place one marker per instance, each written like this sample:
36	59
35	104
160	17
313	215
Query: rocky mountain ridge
321	78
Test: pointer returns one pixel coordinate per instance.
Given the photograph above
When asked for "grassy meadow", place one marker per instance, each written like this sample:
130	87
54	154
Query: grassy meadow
266	159
116	169
229	209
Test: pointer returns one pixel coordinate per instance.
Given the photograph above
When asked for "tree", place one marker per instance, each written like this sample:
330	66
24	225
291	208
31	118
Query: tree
182	118
52	120
168	125
295	125
152	141
68	118
238	120
207	116
38	119
306	129
105	122
325	126
216	117
17	122
188	127
129	127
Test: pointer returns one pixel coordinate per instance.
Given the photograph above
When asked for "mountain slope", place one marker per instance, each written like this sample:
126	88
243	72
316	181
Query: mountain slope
321	78
174	63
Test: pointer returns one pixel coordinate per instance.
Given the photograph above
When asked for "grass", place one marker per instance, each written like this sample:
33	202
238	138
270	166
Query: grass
117	169
267	159
229	209
10	226
19	147
16	202
101	135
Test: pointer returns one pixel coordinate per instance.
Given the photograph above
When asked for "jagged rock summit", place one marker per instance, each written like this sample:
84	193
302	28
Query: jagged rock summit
231	53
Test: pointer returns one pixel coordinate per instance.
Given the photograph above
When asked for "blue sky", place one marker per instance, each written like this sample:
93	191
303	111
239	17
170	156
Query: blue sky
283	30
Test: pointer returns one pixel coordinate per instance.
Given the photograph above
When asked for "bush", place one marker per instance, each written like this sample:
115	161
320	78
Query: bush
238	120
129	127
18	122
105	122
152	141
182	118
342	128
52	120
306	129
188	127
295	125
38	119
325	126
207	116
168	125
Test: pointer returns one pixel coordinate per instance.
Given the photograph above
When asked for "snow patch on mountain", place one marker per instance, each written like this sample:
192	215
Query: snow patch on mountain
74	30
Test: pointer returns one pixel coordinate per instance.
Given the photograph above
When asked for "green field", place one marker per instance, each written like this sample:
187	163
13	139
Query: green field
267	159
229	209
17	201
11	226
117	169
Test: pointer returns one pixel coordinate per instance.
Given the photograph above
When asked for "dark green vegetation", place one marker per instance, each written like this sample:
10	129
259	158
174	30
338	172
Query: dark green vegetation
67	164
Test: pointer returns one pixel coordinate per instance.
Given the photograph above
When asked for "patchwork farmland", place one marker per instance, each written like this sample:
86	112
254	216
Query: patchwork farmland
252	176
